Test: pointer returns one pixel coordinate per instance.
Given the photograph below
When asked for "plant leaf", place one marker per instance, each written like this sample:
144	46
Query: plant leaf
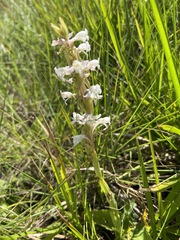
170	129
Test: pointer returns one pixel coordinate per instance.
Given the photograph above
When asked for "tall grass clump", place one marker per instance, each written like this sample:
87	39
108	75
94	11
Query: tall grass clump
63	175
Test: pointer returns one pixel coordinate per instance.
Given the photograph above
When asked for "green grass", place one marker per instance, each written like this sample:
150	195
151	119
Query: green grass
48	188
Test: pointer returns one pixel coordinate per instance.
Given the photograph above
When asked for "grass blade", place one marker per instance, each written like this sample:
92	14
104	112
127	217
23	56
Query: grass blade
147	194
167	49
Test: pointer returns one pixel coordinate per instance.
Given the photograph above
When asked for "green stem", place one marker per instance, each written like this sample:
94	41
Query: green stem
102	183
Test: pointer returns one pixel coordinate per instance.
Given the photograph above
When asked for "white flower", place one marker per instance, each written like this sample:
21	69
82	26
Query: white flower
77	139
80	36
84	47
81	119
94	92
101	121
77	118
79	67
64	71
106	121
92	121
85	118
67	95
93	64
56	42
83	67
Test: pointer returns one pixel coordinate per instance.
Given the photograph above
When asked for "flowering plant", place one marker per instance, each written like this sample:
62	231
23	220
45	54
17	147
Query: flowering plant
77	73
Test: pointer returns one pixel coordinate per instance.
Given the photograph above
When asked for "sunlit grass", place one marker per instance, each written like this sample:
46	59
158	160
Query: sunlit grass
139	58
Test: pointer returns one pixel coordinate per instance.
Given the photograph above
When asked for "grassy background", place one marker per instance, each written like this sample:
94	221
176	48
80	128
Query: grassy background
139	61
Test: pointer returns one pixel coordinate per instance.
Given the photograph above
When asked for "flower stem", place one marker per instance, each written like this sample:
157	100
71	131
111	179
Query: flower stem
108	193
91	152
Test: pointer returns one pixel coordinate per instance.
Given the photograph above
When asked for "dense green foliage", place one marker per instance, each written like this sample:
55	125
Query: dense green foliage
49	189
